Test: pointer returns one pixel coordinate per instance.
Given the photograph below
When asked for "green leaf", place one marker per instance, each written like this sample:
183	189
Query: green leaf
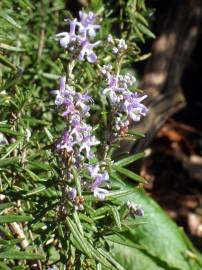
111	259
136	133
118	193
145	30
130	174
78	237
9	161
35	191
159	239
9	218
78	222
11	148
134	259
3	266
77	181
116	177
6	62
116	216
20	255
9	19
38	165
11	48
5	205
49	135
84	245
129	160
32	175
141	18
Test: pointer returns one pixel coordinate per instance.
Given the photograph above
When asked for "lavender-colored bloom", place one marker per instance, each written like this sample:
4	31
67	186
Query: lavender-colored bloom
66	38
87	23
77	40
64	94
66	142
117	45
132	106
98	180
122	44
113	88
87	143
99	193
72	193
121	97
3	140
87	50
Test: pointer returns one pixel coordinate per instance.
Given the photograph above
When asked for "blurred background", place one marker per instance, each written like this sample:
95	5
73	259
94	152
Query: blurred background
172	76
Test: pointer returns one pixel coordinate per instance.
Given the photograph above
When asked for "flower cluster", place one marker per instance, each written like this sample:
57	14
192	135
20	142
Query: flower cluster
126	104
77	141
78	39
118	45
76	145
135	209
99	178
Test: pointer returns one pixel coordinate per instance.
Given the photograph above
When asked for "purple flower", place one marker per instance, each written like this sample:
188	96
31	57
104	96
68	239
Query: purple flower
66	142
77	40
87	23
72	193
113	88
132	106
98	180
125	101
87	143
87	50
66	38
99	193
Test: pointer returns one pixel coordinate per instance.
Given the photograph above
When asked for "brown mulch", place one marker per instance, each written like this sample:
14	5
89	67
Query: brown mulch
173	166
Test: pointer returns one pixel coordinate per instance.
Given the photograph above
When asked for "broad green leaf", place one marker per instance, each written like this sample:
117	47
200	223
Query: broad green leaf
160	238
134	259
9	218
